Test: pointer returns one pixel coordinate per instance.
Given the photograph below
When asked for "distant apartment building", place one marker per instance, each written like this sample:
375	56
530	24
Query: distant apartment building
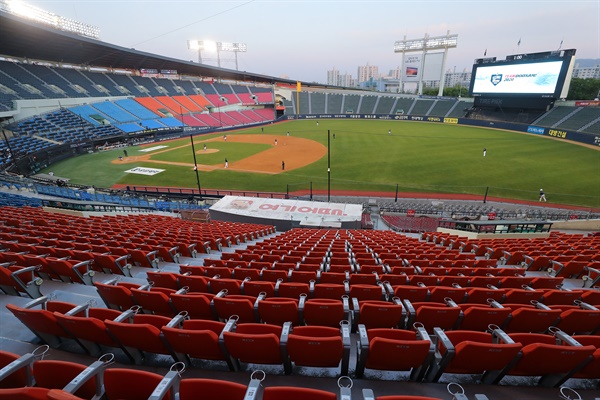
457	79
367	73
335	78
587	72
346	80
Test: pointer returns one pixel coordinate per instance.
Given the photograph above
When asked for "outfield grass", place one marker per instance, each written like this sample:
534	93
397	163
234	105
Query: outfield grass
418	157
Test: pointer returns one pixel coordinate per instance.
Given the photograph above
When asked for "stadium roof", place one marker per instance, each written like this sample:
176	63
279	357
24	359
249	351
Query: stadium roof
27	39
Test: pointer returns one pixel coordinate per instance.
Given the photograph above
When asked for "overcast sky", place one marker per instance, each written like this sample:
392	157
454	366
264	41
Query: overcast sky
303	39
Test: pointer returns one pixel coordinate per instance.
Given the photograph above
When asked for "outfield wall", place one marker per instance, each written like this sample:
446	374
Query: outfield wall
579	137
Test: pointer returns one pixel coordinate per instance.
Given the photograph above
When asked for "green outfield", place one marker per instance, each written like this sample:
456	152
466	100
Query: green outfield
415	157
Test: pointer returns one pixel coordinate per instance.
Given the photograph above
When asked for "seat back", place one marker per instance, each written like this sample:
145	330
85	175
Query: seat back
140	384
211	389
55	374
255	343
323	312
277	311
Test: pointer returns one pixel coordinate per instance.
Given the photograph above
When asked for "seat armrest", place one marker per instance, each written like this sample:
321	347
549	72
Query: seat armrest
95	369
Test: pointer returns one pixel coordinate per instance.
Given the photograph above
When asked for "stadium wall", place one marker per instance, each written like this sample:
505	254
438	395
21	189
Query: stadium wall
585	138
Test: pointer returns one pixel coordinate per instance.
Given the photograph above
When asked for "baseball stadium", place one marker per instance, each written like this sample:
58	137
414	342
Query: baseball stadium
171	229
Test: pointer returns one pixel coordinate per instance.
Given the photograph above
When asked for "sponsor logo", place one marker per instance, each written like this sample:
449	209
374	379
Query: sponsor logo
152	149
496	79
535	129
434	119
451	120
557	133
144	171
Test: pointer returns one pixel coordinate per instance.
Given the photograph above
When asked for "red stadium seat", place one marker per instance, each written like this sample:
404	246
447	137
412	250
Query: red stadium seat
542	356
326	312
256	343
394	350
279	310
139	384
197	339
115	294
378	313
211	389
245	307
320	346
441	315
469	352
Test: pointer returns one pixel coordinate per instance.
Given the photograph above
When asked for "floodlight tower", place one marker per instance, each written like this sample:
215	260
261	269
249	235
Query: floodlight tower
424	45
28	11
200	45
231	47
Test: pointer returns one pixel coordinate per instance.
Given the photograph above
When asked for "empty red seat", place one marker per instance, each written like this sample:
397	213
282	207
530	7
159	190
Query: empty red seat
394	350
17	281
113	264
379	314
431	314
568	269
131	384
163	279
478	317
320	346
439	294
115	294
367	292
140	334
411	293
144	258
482	295
469	352
333	291
542	356
292	289
578	319
326	312
558	297
154	300
254	288
196	339
197	305
19	378
278	310
72	270
56	374
193	283
38	316
522	296
592	369
90	329
530	318
257	344
211	389
296	393
233	286
245	307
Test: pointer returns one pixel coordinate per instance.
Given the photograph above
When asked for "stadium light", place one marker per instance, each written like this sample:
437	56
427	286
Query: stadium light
426	43
218	47
24	10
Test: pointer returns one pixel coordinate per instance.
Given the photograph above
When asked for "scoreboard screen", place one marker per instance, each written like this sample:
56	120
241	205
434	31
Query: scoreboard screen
535	78
539	75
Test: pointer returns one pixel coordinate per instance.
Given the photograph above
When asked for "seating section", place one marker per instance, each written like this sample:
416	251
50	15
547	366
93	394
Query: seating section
292	300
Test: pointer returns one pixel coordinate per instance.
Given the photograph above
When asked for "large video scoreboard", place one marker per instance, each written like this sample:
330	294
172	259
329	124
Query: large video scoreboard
522	80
